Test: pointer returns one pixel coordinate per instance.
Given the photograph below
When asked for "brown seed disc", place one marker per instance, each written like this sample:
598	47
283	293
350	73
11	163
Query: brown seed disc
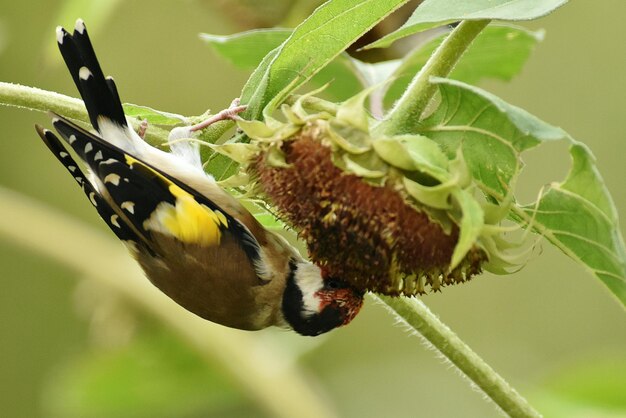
365	234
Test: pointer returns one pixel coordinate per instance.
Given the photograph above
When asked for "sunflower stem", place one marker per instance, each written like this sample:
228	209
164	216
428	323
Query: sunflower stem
407	112
32	98
415	314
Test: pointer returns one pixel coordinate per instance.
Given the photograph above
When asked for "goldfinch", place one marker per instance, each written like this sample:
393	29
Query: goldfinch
194	241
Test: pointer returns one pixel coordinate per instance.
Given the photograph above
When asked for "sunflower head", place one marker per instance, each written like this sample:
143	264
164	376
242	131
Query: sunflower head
389	214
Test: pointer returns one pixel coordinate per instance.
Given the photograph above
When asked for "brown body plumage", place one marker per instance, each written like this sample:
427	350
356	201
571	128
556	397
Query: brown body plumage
218	284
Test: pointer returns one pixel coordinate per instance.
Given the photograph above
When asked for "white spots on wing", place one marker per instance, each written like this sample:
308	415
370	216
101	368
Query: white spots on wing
84	73
60	35
114	221
129	206
72	168
79	180
113	179
92	197
63	154
98	156
80	26
88	147
71	139
109	161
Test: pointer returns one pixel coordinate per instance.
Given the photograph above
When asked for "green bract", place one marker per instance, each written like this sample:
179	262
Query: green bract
414	166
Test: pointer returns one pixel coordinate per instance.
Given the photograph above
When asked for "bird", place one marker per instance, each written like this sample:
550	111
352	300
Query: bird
194	241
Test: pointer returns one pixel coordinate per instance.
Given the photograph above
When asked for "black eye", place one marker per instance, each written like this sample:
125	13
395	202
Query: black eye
333	284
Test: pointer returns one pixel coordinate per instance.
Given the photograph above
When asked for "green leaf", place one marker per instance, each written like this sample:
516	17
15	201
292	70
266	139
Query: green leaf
218	165
433	13
490	132
253	92
270	221
313	44
155	375
154	117
578	216
247	49
264	216
499	52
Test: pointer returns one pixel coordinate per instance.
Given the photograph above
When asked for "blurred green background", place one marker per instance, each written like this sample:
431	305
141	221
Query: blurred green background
552	330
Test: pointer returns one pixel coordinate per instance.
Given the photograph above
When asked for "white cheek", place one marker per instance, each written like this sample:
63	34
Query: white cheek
311	304
309	280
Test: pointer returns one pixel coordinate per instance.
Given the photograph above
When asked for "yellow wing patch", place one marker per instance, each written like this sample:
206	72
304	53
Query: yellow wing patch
190	221
187	220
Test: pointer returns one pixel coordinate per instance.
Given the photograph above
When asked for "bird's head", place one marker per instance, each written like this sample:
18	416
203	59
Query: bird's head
315	303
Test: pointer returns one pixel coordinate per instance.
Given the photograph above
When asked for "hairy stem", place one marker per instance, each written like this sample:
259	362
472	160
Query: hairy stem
414	313
33	98
406	113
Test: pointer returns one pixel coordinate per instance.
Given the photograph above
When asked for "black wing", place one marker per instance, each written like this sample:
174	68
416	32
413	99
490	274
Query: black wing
137	191
119	227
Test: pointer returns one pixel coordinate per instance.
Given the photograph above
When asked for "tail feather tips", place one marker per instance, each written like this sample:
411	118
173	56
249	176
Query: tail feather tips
99	93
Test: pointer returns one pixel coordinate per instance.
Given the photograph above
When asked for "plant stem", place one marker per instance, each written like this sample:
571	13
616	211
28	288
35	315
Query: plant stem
414	313
37	99
406	113
44	101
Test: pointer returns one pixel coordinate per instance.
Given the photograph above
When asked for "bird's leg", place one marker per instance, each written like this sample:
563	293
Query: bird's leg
185	131
142	128
231	113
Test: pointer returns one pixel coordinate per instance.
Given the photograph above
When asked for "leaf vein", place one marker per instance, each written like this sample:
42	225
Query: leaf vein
463	128
591	242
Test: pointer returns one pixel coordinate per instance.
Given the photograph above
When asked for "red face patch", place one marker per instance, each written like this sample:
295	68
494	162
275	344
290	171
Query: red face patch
346	300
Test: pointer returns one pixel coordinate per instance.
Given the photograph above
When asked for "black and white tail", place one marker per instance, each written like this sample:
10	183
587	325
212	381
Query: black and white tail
98	92
128	181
